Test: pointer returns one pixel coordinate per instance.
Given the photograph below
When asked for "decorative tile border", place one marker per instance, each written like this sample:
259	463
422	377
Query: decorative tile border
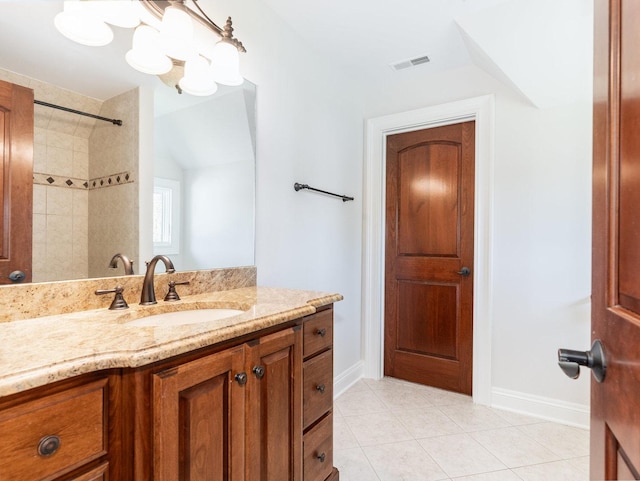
83	184
111	180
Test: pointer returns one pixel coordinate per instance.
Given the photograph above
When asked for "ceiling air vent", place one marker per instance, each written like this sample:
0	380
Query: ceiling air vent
413	62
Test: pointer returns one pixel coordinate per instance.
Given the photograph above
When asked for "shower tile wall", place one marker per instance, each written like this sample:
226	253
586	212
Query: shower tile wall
61	154
113	210
70	152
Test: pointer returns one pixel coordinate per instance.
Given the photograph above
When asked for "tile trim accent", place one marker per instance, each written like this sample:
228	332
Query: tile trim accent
111	180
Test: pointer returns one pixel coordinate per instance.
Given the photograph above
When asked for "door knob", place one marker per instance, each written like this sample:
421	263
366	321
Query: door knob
17	276
570	361
465	271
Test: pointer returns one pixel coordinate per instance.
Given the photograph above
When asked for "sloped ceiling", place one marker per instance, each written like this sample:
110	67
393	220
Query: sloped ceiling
542	49
223	126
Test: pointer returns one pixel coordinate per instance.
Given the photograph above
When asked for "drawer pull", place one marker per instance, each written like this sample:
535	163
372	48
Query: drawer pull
241	378
322	457
259	371
48	445
321	332
321	388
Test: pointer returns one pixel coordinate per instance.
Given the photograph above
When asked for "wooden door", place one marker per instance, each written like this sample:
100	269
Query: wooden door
16	181
615	318
429	256
274	420
198	419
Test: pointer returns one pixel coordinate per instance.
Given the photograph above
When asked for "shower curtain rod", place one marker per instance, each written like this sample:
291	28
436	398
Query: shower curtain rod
298	187
73	111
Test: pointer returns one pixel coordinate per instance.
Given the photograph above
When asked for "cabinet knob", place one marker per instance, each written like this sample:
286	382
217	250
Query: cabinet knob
322	457
259	371
321	388
48	445
321	332
241	378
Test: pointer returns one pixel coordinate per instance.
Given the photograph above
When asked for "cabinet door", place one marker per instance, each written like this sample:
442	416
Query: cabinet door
198	416
274	408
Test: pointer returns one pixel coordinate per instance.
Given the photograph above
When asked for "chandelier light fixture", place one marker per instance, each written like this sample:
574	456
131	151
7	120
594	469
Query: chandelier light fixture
173	39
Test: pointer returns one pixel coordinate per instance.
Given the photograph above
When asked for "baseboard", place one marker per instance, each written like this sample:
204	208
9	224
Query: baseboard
347	378
563	412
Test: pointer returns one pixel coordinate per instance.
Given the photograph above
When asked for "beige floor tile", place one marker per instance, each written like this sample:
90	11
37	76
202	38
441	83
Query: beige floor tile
517	419
471	417
565	441
514	448
581	464
439	397
354	403
402	398
461	455
353	465
391	429
556	471
506	475
379	428
343	438
427	423
403	461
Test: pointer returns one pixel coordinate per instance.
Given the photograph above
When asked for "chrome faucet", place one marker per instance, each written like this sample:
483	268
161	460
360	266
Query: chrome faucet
148	292
126	263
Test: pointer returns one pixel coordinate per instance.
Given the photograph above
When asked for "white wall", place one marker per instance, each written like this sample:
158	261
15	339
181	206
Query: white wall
310	130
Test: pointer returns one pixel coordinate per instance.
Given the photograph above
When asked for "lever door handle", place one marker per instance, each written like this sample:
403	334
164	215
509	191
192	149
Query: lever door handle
465	271
570	361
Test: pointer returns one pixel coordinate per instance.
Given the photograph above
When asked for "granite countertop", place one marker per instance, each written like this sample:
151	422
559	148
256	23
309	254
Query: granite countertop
38	351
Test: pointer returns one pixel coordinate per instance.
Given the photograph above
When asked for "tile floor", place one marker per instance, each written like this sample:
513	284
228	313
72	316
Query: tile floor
392	430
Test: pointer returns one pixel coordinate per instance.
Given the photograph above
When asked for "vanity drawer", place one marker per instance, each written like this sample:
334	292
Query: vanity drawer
318	450
54	434
101	473
317	332
317	387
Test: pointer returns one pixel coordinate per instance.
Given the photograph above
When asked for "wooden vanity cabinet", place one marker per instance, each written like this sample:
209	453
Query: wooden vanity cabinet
317	374
65	431
256	408
230	415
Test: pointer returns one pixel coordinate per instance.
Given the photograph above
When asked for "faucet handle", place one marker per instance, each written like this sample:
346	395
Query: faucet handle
118	301
172	295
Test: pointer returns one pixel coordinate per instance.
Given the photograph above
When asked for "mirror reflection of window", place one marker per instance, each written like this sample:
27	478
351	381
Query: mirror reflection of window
166	216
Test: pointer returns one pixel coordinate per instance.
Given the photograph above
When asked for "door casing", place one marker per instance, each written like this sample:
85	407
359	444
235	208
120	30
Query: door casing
480	109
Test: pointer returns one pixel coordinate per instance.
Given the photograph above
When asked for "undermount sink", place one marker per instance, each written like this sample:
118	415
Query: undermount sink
181	318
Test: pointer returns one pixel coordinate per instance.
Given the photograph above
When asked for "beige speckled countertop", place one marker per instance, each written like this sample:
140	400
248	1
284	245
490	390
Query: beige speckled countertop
35	352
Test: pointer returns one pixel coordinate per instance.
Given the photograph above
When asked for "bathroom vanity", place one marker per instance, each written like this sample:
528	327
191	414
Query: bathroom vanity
247	397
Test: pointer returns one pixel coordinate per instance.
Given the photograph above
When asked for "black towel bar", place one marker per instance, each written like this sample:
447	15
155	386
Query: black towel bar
298	187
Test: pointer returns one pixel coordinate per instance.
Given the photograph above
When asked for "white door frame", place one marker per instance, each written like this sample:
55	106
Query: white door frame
480	109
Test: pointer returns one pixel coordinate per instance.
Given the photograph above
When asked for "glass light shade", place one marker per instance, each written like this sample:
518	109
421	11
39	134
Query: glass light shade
225	64
120	13
79	23
198	78
176	33
146	56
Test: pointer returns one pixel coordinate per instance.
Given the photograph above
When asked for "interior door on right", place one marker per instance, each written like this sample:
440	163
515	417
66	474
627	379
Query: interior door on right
615	402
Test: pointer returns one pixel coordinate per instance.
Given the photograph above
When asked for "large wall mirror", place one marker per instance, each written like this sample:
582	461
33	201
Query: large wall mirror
186	190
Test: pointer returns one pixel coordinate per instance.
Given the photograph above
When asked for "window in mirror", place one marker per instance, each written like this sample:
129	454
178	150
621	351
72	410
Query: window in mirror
166	216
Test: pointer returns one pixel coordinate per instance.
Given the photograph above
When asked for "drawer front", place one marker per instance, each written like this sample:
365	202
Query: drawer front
101	473
317	332
52	435
318	450
317	387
